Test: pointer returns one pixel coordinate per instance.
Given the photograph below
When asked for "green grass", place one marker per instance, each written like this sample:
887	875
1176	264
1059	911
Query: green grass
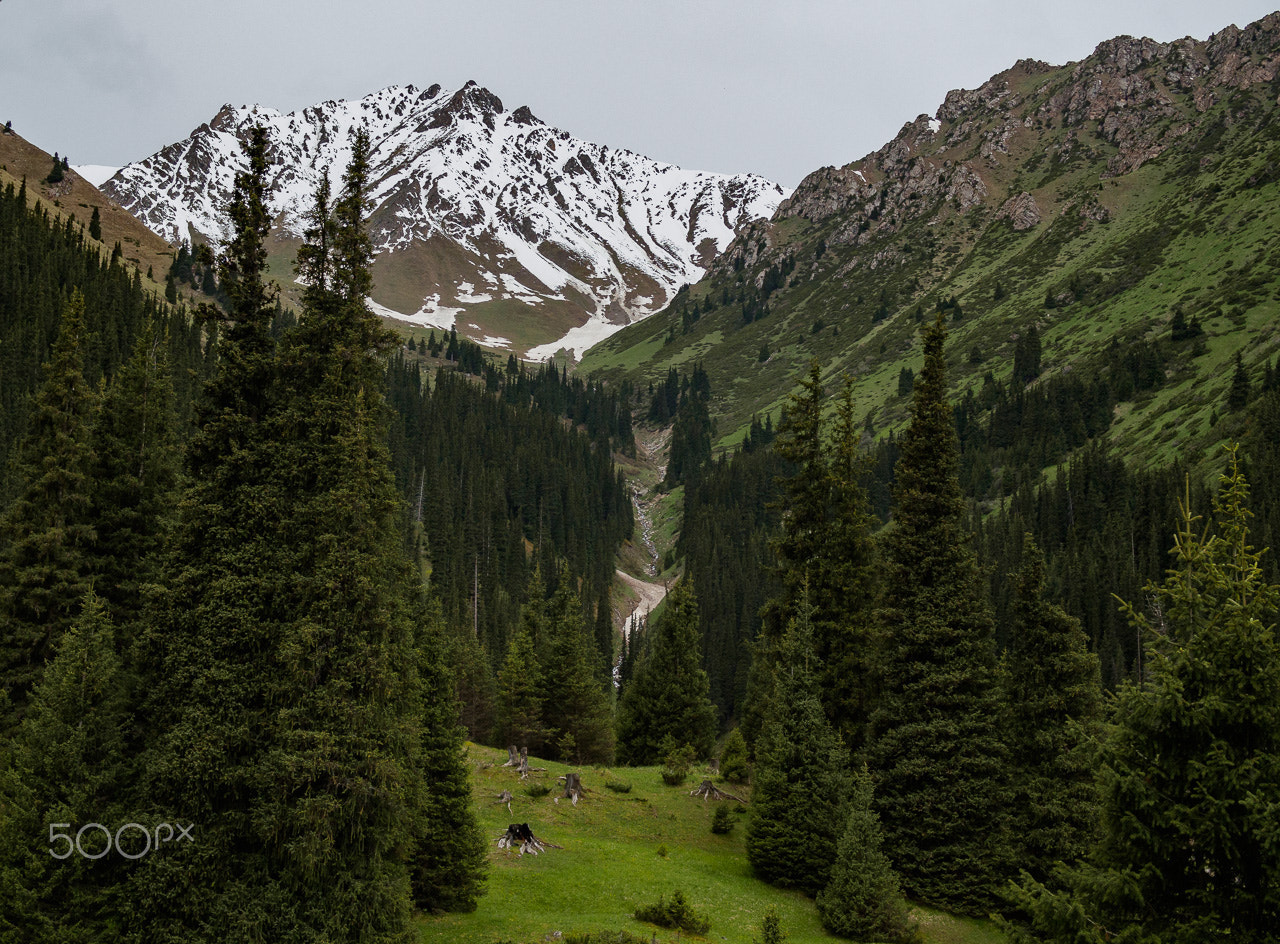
611	863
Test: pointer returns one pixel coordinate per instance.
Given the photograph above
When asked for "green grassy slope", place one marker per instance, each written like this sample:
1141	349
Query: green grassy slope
613	861
1116	251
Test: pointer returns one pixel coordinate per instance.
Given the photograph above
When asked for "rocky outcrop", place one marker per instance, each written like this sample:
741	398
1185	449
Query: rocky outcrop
1021	212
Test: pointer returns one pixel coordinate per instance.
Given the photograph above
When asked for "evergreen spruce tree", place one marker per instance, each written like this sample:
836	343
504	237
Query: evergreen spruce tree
934	747
1238	393
667	697
1054	710
862	900
1190	847
800	792
448	862
575	706
95	225
46	533
826	552
136	477
66	768
519	705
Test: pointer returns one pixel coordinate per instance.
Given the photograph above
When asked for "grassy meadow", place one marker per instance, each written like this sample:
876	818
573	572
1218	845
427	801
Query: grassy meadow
621	850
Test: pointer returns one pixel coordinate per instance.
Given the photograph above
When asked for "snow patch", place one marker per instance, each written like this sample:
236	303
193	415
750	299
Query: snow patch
935	125
576	341
430	315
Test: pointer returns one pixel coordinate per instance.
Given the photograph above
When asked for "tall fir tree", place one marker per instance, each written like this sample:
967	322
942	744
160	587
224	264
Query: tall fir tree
136	477
1190	846
67	768
1053	700
575	706
935	750
519	702
800	791
667	697
47	533
825	550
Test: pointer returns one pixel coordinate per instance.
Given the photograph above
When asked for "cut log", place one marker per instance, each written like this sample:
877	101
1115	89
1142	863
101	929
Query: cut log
520	836
709	791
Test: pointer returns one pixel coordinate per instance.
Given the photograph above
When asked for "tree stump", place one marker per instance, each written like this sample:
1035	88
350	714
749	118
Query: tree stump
709	791
504	797
513	757
572	787
519	835
523	766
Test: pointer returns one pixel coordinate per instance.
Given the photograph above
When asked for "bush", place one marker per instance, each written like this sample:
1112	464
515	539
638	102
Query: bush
676	913
721	822
677	763
537	790
733	759
617	786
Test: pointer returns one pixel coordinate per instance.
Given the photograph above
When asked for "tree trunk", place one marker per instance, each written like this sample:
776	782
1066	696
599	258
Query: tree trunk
708	791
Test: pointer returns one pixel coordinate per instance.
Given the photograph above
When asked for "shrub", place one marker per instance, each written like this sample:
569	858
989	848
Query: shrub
721	822
733	759
677	763
537	790
676	913
617	786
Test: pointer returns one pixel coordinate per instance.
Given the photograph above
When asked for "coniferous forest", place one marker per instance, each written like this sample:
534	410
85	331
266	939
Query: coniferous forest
263	573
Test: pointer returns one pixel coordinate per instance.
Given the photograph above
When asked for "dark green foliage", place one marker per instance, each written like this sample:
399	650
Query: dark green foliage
1054	709
47	532
95	225
692	431
677	761
825	552
771	929
1191	770
1238	394
733	759
667	694
674	913
617	786
722	821
65	765
573	700
135	476
731	516
862	900
800	791
518	708
300	710
906	381
448	863
1026	358
934	748
55	173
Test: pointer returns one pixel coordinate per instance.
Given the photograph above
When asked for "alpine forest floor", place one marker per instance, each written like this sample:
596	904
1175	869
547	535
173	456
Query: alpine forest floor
621	850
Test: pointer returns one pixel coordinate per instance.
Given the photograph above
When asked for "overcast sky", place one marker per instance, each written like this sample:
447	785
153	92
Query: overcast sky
724	85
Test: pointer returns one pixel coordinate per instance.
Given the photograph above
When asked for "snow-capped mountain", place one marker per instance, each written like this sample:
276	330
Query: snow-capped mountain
491	221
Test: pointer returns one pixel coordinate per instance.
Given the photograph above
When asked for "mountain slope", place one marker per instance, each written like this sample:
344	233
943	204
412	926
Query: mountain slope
491	220
1098	203
76	197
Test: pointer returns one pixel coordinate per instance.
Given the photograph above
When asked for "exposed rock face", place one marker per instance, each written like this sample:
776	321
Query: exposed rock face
1021	211
1122	106
471	205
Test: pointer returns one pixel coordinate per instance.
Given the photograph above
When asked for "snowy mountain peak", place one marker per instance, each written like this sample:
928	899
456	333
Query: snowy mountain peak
475	208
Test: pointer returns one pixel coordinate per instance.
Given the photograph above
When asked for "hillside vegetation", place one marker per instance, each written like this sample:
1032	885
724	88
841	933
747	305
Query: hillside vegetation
1129	199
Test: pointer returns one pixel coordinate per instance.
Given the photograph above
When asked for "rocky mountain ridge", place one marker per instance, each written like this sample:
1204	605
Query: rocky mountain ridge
1093	205
515	232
